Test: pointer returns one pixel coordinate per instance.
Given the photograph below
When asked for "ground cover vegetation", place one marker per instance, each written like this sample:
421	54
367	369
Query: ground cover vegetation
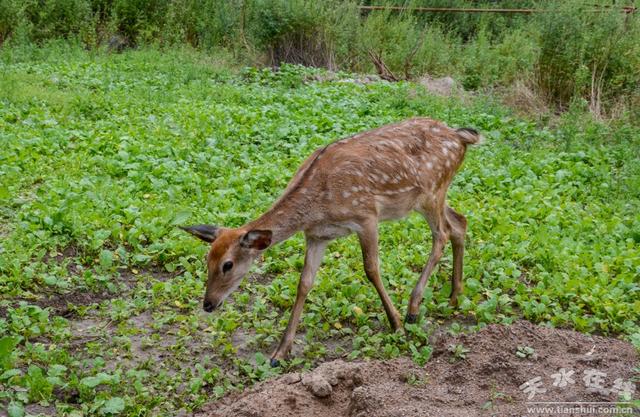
596	65
103	156
105	150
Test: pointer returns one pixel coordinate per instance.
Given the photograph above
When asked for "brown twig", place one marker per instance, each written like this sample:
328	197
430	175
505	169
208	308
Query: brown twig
383	71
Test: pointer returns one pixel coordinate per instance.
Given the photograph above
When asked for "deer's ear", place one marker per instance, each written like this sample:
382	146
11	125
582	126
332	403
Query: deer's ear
205	232
257	239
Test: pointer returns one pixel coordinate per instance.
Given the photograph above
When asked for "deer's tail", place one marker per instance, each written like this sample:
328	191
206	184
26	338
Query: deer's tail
469	136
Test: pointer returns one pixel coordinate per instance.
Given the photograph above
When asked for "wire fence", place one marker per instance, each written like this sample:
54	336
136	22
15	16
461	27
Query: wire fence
628	9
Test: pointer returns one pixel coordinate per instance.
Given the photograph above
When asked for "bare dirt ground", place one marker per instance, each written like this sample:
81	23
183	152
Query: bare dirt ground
485	381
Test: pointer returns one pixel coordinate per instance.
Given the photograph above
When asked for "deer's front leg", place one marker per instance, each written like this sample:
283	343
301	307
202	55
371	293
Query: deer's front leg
369	243
313	258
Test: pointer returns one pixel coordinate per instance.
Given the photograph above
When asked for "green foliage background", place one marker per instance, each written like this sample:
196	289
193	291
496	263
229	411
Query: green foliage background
106	154
571	55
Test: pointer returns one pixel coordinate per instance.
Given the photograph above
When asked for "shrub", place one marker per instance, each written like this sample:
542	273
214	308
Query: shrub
571	56
140	20
10	14
302	32
41	20
588	55
407	46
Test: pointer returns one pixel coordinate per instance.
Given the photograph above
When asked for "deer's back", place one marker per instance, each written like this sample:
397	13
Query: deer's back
385	172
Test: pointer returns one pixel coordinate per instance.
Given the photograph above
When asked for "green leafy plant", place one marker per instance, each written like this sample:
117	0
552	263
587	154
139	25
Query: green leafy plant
7	352
525	352
417	380
105	154
458	352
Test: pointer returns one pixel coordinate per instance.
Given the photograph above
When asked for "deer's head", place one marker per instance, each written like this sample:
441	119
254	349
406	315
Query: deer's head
231	254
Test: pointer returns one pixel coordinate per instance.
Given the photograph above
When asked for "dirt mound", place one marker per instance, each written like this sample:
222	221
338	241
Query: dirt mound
490	372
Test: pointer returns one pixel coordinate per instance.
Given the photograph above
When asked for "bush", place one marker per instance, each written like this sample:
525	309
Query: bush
10	14
571	56
41	20
587	55
140	20
303	32
392	40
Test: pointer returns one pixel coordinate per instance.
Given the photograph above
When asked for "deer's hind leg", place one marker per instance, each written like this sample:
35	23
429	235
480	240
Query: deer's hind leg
457	229
435	216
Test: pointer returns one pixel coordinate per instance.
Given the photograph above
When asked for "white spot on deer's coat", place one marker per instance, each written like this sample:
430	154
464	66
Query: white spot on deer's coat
346	194
355	202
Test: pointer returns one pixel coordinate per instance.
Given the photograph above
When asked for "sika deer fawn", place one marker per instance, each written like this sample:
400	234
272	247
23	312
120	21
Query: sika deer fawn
348	187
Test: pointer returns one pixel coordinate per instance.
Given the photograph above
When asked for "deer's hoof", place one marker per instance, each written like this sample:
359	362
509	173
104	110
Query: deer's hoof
275	363
411	318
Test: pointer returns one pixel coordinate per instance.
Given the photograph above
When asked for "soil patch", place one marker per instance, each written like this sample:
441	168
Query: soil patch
68	252
64	304
490	379
260	279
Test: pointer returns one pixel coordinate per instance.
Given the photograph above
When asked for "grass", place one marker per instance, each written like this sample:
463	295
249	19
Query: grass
104	155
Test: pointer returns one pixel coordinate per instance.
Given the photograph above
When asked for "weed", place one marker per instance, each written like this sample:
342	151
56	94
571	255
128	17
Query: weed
458	352
525	352
496	397
417	380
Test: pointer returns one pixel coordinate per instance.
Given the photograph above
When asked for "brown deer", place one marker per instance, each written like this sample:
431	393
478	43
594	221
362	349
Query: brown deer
348	187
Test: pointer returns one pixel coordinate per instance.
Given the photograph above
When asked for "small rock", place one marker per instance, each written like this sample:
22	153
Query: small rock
357	377
440	86
291	378
117	43
362	402
454	390
317	385
332	378
590	360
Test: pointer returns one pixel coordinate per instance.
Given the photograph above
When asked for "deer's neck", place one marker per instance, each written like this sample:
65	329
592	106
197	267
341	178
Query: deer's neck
285	218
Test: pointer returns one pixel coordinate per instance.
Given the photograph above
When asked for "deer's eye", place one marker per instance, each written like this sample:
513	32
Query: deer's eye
226	267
